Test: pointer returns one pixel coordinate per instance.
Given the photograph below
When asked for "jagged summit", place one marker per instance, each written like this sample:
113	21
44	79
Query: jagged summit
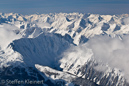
55	46
74	24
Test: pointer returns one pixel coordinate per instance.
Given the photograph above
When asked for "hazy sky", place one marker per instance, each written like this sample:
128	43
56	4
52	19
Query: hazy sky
52	6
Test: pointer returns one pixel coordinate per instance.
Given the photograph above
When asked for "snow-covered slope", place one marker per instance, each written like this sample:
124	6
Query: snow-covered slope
74	24
59	43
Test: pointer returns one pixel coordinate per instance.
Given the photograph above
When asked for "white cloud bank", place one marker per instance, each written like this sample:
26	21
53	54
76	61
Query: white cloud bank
106	50
7	35
112	51
126	20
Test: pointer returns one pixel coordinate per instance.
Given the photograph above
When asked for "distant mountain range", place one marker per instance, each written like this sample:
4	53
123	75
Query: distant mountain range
45	47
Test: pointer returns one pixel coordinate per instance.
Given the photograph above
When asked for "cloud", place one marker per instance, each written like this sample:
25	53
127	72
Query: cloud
126	20
107	51
77	55
112	52
7	35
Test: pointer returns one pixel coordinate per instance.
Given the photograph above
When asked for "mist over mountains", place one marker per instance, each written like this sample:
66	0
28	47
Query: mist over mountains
65	49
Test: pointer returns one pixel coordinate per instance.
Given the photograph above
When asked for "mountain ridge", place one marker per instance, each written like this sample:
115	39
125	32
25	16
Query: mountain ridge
53	40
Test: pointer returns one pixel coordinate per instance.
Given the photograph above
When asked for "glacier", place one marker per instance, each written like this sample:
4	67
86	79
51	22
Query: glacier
65	49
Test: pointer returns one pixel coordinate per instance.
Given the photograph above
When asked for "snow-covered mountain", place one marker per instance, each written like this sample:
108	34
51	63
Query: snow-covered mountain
64	49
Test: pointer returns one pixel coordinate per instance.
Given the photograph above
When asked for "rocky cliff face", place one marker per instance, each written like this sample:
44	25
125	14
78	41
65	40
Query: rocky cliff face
45	47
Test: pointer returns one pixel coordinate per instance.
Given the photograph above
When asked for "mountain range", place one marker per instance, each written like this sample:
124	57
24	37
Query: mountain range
60	49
